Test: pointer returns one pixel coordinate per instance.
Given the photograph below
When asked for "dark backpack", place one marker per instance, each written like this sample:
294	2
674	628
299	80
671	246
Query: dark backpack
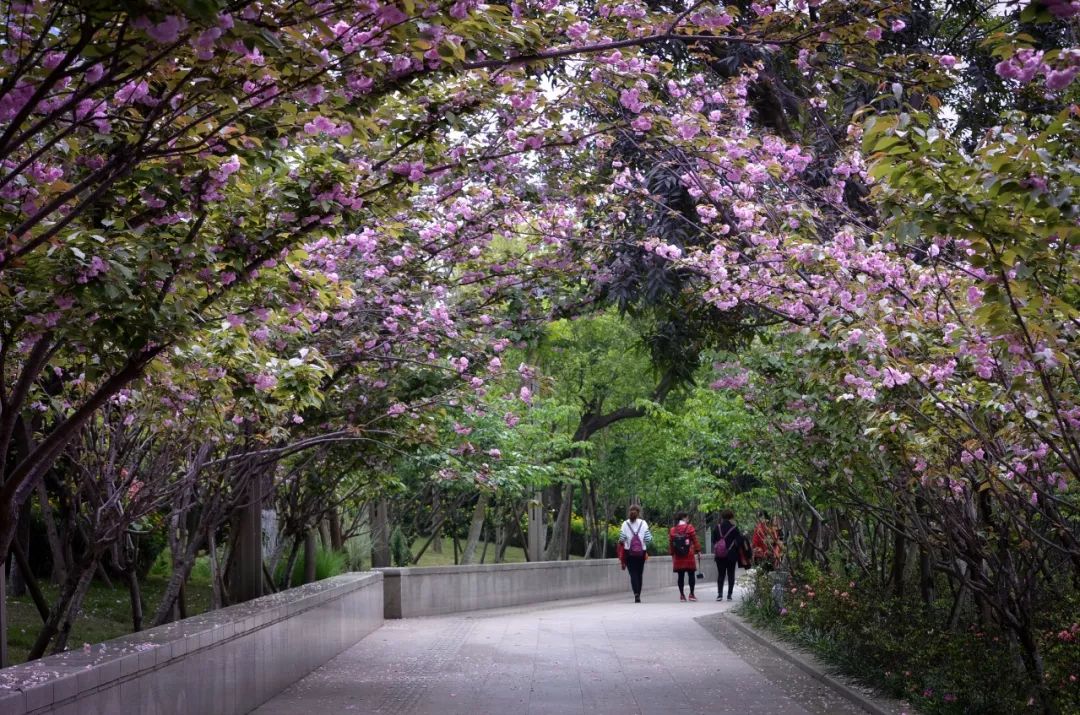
680	542
720	549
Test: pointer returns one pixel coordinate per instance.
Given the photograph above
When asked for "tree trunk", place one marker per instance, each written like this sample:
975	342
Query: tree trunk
268	580
135	595
337	541
436	523
59	612
380	534
245	565
593	523
926	578
56	544
432	540
31	582
525	535
181	601
216	591
476	527
558	549
17	579
4	660
72	611
324	535
899	562
290	563
23	479
502	537
1033	663
534	548
309	556
182	563
813	540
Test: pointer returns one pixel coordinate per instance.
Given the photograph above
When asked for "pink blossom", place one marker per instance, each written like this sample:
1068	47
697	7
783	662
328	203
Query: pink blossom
630	99
319	125
95	73
265	382
133	91
1059	79
164	32
577	31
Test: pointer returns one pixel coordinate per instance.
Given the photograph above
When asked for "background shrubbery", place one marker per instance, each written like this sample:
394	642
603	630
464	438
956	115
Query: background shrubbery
903	649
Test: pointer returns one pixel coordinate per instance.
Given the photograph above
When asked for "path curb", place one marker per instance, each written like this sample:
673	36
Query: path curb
807	665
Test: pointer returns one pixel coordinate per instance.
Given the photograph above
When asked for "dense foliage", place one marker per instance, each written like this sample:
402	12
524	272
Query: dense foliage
399	268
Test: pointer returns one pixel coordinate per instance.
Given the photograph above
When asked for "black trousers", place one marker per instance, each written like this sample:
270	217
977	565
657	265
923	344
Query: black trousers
689	577
635	565
726	568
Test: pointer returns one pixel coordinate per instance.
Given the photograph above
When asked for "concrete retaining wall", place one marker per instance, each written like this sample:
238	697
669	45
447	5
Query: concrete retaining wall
224	662
433	590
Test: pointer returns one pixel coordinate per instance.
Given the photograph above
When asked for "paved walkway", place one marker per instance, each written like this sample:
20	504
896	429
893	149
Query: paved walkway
596	656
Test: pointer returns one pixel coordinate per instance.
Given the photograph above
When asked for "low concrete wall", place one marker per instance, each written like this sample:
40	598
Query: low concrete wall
433	590
224	662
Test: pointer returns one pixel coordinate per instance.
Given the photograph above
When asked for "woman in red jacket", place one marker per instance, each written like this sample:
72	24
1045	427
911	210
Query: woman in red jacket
684	547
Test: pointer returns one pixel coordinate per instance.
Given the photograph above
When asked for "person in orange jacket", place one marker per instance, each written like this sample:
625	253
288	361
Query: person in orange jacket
684	548
765	542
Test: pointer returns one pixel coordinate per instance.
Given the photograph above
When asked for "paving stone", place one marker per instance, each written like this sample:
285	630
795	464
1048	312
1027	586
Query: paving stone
596	656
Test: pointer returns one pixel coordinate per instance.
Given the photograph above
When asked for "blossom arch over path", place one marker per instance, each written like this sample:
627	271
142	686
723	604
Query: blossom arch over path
260	215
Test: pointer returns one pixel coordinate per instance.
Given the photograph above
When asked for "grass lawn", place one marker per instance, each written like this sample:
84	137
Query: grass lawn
106	612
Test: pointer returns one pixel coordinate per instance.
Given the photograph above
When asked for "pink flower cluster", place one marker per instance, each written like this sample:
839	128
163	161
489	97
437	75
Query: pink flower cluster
1027	64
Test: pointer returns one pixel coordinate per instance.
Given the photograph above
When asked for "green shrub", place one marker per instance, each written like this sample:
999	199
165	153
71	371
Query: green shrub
327	564
357	549
900	647
162	565
200	571
400	550
659	544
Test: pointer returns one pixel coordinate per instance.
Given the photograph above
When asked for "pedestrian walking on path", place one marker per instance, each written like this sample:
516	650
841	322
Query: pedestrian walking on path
684	548
766	543
634	538
727	543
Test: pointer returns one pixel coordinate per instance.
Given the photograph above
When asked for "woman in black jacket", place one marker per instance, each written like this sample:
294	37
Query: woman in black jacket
726	540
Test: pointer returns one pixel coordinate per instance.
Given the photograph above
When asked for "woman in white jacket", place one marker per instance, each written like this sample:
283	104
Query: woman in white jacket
634	538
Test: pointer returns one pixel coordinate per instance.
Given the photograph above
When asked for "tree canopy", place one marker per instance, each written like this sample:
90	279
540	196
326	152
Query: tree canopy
819	254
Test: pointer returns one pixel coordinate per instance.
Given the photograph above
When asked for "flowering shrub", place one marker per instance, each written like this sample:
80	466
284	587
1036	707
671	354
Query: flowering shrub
904	651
